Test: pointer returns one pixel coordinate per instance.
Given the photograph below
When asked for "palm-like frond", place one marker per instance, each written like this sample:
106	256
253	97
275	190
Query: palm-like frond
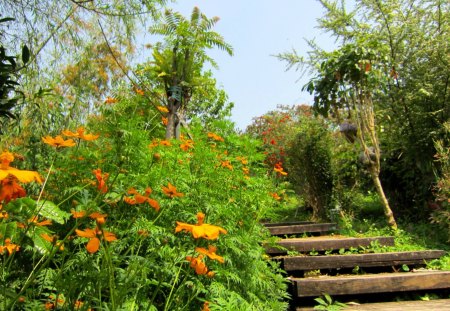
195	16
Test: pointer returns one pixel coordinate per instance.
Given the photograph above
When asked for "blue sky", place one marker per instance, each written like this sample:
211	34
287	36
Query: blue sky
254	79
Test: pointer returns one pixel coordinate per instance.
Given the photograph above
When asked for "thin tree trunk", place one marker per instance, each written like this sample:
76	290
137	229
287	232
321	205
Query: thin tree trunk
387	209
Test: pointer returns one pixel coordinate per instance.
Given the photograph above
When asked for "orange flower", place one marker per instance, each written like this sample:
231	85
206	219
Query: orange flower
58	141
99	218
139	91
80	134
94	236
243	160
205	306
101	179
162	109
23	176
275	196
279	169
141	198
42	223
226	164
110	100
165	143
78	214
197	264
164	121
186	145
4	215
201	230
215	137
210	252
10	247
35	221
171	191
246	170
10	190
53	239
153	144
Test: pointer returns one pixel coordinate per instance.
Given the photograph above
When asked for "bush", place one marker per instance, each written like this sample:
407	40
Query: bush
127	221
309	166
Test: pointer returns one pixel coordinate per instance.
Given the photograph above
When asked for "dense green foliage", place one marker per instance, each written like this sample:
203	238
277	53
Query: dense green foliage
146	266
408	82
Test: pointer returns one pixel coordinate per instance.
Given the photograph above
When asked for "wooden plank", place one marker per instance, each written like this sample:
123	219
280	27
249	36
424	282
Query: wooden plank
440	304
371	283
287	223
324	243
296	263
302	228
419	305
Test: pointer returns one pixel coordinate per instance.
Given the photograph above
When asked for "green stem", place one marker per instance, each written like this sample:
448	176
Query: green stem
112	287
167	305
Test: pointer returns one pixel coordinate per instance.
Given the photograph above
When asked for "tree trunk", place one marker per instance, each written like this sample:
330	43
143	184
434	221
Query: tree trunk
387	209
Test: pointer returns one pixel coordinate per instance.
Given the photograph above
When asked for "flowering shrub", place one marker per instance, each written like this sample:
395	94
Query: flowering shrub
124	220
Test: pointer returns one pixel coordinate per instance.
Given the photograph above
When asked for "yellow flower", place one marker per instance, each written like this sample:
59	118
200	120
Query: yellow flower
201	230
58	141
23	176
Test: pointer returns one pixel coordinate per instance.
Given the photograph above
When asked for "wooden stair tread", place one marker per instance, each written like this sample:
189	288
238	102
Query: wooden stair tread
370	283
419	305
296	263
287	223
301	228
324	243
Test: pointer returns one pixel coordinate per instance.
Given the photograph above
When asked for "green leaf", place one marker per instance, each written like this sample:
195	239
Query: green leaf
39	243
8	230
6	19
51	211
25	54
23	207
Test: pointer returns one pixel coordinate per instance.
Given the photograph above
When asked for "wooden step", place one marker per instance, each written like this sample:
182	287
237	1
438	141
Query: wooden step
370	283
419	305
302	228
297	263
287	223
324	243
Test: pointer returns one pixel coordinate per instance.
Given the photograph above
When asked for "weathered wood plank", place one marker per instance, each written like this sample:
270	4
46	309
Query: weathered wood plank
419	305
371	283
296	263
287	223
324	243
302	228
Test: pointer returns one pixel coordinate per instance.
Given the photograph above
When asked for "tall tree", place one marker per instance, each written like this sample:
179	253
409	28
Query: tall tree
179	61
410	83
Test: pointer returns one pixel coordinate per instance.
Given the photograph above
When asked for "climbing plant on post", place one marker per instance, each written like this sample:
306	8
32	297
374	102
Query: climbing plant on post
344	84
178	62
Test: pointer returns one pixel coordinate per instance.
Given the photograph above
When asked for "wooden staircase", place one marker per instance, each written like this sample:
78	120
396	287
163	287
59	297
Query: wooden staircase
331	264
